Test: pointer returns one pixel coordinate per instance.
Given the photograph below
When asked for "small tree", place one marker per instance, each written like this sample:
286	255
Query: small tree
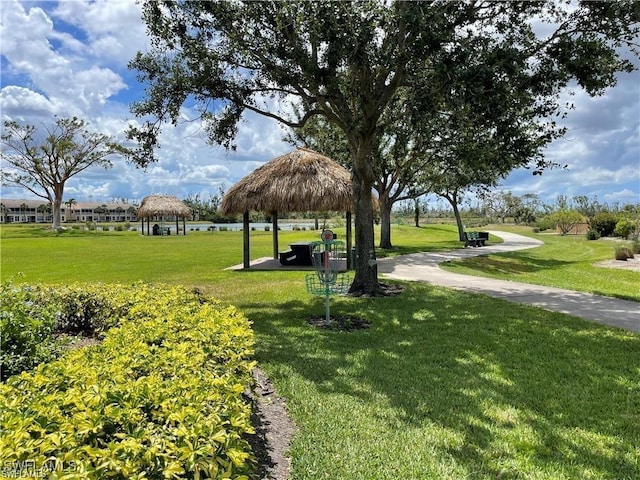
42	160
625	228
604	223
565	220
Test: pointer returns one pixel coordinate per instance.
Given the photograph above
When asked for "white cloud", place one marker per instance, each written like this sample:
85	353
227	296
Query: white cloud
22	104
25	41
622	197
71	88
114	29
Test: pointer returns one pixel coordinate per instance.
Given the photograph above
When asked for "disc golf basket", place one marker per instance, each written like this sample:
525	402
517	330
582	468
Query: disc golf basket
326	257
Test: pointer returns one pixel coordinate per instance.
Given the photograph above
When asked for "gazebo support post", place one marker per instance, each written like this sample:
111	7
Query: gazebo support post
349	242
274	222
245	235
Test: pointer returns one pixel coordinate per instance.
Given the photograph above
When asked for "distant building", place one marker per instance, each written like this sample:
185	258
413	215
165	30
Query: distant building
39	211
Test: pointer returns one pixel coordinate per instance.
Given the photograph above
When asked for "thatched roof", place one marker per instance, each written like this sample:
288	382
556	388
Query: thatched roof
163	205
300	181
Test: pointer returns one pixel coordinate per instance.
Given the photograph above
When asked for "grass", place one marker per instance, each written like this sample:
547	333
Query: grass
443	385
563	262
451	385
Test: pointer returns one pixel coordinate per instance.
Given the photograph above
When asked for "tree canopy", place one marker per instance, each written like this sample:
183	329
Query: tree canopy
347	61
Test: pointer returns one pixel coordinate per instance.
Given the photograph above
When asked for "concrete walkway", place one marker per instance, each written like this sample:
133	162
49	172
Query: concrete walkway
424	267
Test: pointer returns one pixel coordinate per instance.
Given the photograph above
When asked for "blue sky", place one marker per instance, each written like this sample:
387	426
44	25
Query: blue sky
70	58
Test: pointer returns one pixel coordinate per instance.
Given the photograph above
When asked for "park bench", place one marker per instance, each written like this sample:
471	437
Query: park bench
473	239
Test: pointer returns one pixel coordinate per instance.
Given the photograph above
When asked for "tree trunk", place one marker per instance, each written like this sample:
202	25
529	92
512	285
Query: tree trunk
365	281
385	221
56	206
456	212
453	201
416	214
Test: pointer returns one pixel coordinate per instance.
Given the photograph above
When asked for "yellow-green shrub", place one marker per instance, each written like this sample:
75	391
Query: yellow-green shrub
160	397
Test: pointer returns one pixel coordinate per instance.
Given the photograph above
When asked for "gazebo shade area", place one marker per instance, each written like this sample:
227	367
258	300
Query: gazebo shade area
300	181
157	207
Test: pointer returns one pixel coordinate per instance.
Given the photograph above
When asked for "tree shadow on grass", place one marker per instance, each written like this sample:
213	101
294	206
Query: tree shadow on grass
509	382
507	263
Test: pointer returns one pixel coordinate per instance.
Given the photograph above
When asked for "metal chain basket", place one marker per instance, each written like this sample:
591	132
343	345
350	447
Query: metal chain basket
327	257
340	286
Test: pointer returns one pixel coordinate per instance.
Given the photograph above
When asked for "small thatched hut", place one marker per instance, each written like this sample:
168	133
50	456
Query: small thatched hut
300	181
158	207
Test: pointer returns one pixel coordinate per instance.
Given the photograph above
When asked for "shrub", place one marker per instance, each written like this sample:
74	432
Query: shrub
89	309
35	321
160	397
592	234
624	228
623	253
27	323
604	223
545	223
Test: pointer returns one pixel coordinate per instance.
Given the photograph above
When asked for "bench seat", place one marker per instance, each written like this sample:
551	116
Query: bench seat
473	239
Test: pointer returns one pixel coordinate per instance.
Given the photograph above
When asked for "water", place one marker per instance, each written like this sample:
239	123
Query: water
231	227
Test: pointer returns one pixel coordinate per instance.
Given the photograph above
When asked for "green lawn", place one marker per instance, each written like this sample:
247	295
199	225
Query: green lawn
564	262
443	385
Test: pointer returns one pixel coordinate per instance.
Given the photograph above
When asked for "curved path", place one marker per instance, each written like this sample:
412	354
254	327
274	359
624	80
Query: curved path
424	267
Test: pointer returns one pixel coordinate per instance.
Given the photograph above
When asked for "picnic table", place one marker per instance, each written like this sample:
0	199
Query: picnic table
299	253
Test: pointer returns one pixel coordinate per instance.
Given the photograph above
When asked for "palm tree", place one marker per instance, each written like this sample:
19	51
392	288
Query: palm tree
132	211
23	208
70	204
43	209
102	209
119	211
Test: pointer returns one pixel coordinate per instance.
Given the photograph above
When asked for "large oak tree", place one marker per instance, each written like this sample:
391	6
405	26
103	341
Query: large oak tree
347	61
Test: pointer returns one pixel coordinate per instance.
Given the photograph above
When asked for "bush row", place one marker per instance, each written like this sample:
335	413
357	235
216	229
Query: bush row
160	397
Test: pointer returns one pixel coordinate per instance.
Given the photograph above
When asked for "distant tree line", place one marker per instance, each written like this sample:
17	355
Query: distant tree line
602	219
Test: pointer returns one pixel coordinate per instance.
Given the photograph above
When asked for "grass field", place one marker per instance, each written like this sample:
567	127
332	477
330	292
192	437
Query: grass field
563	262
443	385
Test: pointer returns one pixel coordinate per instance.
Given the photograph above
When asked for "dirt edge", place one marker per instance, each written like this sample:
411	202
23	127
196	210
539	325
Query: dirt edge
274	429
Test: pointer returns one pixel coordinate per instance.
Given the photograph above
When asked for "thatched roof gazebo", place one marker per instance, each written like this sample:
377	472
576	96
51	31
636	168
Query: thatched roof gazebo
159	206
300	181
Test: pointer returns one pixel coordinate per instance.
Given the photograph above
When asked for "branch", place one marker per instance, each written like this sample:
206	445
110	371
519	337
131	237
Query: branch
280	119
